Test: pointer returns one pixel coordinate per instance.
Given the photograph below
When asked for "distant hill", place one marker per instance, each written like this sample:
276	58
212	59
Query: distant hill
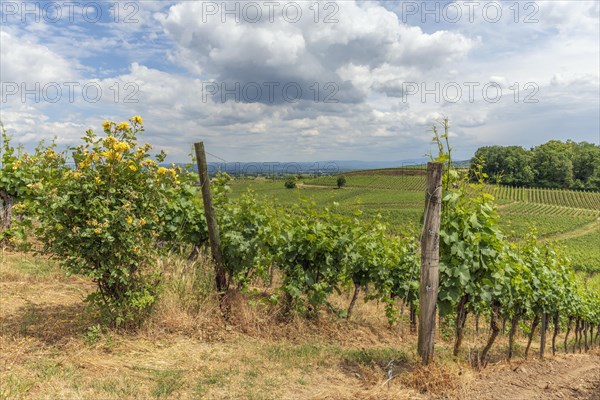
316	168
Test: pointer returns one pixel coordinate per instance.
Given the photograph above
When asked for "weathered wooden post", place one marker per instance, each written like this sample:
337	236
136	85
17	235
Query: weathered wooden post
211	218
430	259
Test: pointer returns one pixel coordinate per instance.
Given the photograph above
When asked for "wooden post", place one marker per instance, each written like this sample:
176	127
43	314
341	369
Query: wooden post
211	218
430	258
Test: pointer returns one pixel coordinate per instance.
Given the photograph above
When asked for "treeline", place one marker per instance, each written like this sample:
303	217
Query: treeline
555	164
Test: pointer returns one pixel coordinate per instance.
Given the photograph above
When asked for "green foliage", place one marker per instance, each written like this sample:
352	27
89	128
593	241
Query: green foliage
290	183
388	264
341	181
21	176
555	164
509	165
471	247
556	197
480	271
250	236
182	217
93	334
584	251
313	253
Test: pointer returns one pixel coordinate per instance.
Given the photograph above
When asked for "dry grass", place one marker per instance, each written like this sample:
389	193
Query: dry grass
52	347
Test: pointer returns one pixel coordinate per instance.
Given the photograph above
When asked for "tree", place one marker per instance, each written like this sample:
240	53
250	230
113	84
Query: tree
508	165
290	183
586	164
341	181
553	165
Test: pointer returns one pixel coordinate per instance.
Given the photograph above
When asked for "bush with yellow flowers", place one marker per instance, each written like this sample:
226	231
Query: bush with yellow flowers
105	216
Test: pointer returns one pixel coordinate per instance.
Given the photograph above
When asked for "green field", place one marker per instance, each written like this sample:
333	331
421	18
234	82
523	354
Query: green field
415	180
584	251
567	216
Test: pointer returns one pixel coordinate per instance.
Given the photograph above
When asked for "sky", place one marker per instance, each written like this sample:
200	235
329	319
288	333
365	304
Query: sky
303	80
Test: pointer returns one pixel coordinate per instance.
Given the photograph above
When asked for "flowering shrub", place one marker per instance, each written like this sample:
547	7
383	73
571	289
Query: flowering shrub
103	218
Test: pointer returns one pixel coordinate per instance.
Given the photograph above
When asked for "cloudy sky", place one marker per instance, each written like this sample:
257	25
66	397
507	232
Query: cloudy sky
303	81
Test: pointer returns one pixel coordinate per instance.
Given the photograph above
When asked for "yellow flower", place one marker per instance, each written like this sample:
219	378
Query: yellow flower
106	125
121	146
123	126
162	170
142	221
110	141
111	155
137	119
148	163
132	167
98	230
129	220
16	165
98	180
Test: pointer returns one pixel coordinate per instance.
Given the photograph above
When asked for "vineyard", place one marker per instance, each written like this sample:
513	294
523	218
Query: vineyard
583	251
556	197
137	231
555	214
413	180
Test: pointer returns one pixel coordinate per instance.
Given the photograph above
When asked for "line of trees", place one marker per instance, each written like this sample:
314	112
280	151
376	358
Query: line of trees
554	164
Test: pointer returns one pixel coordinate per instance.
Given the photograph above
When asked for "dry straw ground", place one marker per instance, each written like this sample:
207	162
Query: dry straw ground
52	348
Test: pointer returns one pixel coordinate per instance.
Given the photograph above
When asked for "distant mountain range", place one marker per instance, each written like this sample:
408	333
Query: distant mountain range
331	167
328	167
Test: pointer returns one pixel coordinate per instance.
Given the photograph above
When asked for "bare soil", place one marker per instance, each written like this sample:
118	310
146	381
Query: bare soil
564	376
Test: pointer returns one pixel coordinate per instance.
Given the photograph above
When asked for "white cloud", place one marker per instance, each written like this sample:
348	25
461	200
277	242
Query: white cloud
24	60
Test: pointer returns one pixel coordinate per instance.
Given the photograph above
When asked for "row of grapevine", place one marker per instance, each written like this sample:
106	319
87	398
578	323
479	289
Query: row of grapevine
481	272
546	209
118	209
557	197
374	181
567	199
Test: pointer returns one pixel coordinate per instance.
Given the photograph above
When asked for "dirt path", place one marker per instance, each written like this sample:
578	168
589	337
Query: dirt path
310	186
570	376
584	230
